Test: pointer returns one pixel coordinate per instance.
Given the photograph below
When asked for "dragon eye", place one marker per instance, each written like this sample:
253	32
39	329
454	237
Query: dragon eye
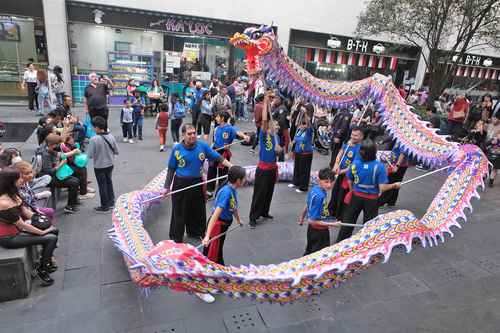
256	35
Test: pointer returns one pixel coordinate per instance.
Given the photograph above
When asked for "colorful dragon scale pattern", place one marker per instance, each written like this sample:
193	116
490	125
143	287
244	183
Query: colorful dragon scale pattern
181	267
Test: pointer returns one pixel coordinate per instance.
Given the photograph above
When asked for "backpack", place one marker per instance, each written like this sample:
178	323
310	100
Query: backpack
179	110
36	161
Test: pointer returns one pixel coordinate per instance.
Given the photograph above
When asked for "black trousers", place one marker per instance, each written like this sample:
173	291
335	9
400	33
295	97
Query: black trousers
127	130
175	125
32	96
103	112
188	210
335	147
81	174
390	197
256	141
302	171
369	207
204	122
195	113
105	183
214	172
262	193
24	239
72	184
317	239
336	205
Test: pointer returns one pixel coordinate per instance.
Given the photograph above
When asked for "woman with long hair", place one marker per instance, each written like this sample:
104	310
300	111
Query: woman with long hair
155	94
16	231
44	91
58	84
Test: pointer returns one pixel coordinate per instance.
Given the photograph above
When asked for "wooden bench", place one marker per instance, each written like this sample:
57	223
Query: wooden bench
16	267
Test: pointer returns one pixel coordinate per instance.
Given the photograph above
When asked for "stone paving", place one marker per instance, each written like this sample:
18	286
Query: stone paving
450	288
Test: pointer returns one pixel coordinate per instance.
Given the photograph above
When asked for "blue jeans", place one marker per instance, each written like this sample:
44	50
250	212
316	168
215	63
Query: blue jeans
138	121
43	95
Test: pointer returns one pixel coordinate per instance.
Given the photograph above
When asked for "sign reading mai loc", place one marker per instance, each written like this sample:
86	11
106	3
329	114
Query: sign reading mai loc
185	26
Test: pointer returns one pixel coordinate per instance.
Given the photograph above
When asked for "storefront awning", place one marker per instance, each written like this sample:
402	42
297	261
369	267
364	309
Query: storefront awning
322	56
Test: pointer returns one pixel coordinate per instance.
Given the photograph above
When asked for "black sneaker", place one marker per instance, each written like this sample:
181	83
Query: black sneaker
268	217
45	277
70	210
491	182
101	209
252	224
51	268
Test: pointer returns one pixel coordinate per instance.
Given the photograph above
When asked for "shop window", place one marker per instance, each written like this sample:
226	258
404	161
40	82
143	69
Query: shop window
122	46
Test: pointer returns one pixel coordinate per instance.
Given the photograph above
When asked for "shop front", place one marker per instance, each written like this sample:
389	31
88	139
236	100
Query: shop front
344	58
22	41
474	75
125	44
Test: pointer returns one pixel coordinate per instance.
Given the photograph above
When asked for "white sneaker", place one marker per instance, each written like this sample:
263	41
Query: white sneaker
130	141
125	140
291	185
299	191
43	195
87	196
162	148
90	189
207	298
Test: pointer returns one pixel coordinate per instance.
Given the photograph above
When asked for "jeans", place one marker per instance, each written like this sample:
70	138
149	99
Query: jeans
60	98
105	183
40	182
24	239
239	110
138	121
43	95
175	125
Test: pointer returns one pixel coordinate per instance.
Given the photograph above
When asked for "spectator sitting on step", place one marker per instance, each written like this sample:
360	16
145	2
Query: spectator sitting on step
15	230
33	188
79	166
54	164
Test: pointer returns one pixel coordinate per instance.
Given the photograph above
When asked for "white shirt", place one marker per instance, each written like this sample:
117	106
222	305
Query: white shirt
29	76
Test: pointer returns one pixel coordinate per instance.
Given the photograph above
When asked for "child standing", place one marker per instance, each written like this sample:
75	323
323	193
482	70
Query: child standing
316	209
127	120
102	149
177	114
225	207
162	125
138	116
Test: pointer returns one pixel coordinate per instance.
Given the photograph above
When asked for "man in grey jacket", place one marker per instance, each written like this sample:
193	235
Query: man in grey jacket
102	149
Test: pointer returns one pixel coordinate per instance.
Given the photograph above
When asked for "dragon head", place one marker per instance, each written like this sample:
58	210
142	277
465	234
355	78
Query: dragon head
256	42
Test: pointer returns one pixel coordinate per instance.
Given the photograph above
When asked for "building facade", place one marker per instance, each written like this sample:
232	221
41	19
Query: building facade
182	40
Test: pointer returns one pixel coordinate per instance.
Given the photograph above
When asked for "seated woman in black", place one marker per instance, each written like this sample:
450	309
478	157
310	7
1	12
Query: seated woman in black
15	232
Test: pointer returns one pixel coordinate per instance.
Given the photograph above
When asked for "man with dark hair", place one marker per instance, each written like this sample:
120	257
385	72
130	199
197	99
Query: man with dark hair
102	150
95	97
345	157
340	129
188	206
367	178
316	210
